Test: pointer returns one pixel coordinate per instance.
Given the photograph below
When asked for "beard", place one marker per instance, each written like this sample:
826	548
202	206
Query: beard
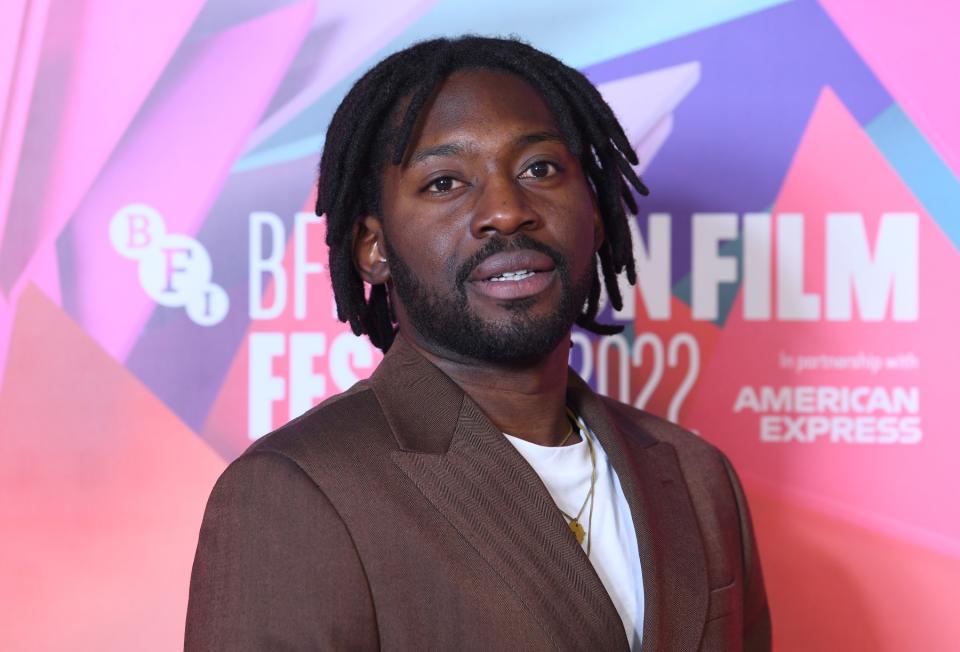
448	322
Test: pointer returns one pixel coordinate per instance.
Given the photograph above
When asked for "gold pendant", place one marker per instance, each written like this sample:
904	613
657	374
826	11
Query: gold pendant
577	530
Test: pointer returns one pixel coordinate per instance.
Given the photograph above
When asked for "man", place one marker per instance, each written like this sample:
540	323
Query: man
474	493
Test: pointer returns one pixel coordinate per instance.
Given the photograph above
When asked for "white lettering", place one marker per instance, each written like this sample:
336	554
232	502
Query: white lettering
894	265
709	268
792	302
305	384
263	388
349	352
301	265
271	264
756	266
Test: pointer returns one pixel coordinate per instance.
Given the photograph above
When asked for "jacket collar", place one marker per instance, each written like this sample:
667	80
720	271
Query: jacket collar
672	556
470	473
421	403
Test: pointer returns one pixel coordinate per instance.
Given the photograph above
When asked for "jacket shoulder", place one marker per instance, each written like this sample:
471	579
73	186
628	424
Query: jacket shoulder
646	428
709	477
276	565
339	422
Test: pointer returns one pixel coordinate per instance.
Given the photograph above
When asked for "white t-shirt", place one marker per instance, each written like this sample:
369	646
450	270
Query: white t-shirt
566	471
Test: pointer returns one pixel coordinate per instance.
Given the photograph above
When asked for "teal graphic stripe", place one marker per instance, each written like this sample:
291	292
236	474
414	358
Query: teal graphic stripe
581	38
920	167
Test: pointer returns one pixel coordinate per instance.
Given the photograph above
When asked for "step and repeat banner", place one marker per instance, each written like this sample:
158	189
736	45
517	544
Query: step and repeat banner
165	299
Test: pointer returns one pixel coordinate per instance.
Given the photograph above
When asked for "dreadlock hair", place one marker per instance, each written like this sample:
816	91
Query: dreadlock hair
366	127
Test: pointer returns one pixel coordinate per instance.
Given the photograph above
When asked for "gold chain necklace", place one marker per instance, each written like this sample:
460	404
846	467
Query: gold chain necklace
569	431
573	522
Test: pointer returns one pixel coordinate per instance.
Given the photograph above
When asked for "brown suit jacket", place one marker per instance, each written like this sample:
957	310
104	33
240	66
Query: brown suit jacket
396	515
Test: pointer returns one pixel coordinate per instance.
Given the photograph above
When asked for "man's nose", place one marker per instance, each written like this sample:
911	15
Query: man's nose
503	209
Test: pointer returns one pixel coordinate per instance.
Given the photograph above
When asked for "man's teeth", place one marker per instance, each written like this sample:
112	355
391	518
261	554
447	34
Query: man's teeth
513	276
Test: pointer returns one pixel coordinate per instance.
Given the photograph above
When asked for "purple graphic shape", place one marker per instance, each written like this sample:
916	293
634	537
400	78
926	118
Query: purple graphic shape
174	158
735	134
21	39
349	33
219	16
185	364
281	189
81	105
648	124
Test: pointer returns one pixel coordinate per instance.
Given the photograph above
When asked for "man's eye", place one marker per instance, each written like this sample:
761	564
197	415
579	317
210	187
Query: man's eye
443	184
539	170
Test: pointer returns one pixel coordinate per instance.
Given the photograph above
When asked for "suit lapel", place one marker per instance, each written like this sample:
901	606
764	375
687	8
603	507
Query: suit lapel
468	471
671	549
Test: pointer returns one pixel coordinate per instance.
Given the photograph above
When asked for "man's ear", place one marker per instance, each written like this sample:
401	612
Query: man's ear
368	251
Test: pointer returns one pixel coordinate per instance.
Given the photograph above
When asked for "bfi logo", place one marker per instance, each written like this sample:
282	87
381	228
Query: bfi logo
174	269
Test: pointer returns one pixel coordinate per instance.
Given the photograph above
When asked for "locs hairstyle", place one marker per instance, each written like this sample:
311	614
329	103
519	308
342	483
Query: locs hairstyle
373	125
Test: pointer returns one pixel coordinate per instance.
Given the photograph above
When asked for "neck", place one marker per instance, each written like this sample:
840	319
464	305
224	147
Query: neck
527	401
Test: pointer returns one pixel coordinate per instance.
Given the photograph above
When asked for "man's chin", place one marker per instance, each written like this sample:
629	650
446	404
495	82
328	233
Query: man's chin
521	315
515	340
472	325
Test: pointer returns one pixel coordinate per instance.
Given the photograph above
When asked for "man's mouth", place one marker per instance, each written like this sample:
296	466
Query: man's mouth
512	265
513	276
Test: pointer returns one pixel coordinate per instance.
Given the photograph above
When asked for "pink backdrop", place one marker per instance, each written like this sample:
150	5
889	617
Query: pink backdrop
164	297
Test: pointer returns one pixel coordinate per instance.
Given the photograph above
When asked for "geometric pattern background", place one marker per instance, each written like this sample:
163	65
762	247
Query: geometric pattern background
164	297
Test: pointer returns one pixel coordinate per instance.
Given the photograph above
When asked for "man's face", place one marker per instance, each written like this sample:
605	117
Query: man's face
489	226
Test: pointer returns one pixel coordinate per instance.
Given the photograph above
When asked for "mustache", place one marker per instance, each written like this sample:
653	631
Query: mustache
499	244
